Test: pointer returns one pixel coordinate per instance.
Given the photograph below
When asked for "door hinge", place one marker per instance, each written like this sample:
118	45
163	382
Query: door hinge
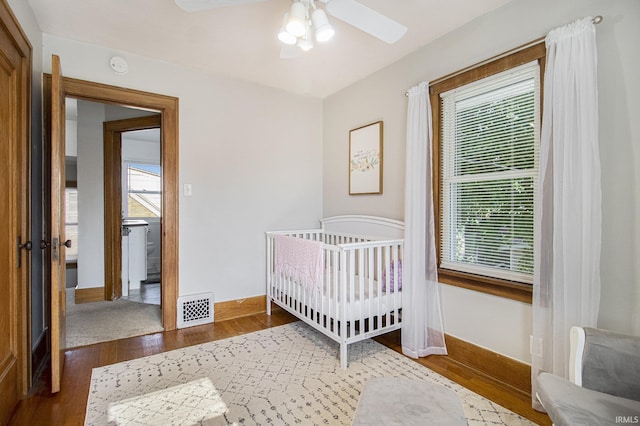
54	249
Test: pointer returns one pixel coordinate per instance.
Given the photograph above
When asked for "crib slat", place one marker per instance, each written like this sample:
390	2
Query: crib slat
335	289
341	293
371	299
358	296
396	283
386	253
349	296
269	274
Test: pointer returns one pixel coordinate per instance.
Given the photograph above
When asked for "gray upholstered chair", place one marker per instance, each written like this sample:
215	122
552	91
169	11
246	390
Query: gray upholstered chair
604	385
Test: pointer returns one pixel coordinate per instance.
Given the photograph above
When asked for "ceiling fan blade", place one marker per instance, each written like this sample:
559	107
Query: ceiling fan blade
366	19
198	5
288	51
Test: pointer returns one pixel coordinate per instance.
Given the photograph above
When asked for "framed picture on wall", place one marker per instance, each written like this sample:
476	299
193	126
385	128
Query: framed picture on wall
365	159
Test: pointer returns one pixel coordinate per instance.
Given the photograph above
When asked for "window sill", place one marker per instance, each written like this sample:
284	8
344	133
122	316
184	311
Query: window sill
494	286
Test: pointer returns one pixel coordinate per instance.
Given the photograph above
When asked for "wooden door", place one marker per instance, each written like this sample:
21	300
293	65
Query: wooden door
57	227
15	71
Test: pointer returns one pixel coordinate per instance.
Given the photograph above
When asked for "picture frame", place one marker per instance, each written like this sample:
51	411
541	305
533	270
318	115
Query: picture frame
365	159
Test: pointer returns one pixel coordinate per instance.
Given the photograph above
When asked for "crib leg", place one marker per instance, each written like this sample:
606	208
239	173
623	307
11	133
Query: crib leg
344	357
268	306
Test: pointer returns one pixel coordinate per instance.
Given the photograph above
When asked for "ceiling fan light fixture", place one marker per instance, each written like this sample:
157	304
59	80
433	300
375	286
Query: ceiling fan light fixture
306	43
297	19
324	30
285	36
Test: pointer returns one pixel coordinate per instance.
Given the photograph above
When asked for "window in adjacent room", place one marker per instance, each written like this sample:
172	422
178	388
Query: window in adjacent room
143	184
71	221
487	138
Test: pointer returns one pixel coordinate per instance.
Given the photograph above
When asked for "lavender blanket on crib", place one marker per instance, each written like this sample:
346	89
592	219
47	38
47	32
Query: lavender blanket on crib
299	259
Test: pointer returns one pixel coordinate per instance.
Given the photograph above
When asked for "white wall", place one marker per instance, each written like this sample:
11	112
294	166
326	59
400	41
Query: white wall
498	324
71	129
252	154
90	174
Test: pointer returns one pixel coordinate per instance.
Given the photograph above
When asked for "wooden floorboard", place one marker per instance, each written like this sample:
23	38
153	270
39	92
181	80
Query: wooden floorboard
69	405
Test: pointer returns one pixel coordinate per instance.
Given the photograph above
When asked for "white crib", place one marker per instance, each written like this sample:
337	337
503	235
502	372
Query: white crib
362	261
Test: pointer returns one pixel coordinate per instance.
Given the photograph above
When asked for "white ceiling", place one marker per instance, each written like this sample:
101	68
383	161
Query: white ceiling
146	135
240	41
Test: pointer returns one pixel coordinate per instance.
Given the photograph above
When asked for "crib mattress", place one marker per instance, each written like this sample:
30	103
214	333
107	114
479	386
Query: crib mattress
361	305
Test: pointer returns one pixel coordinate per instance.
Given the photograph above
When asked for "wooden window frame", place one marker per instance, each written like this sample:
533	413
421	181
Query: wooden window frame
519	56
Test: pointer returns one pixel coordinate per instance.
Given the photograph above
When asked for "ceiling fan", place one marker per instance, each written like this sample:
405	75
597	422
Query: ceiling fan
305	19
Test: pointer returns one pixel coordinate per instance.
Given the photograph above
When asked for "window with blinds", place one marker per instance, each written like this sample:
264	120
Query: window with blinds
143	189
71	222
489	167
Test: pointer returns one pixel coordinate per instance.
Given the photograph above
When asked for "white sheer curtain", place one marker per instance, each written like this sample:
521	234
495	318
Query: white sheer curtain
422	331
567	274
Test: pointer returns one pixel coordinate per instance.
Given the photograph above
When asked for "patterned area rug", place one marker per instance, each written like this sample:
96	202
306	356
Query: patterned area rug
283	375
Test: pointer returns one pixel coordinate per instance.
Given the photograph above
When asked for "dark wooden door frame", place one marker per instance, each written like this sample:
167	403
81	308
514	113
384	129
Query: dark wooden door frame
113	197
167	106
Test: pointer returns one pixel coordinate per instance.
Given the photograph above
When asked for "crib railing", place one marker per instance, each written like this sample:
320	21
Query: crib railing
356	300
369	270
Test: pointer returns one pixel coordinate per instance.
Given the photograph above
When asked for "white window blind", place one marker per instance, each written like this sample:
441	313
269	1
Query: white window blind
71	222
143	184
490	143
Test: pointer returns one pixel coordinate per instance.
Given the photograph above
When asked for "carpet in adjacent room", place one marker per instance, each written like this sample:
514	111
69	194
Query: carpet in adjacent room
89	323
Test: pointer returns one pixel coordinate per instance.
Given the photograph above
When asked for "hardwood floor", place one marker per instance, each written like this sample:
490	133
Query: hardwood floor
69	405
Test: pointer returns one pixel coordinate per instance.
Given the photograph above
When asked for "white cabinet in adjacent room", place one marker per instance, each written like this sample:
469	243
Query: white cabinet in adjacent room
134	254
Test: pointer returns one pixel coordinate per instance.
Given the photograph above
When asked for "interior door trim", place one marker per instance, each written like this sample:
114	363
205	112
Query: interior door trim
167	106
112	131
